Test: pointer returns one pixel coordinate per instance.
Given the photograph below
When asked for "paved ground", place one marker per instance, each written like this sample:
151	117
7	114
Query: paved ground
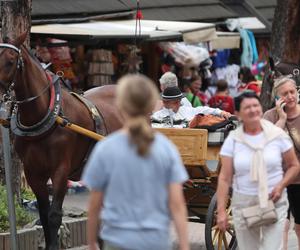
196	230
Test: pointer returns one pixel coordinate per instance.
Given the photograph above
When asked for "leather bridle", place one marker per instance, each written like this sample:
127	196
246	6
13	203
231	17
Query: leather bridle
7	96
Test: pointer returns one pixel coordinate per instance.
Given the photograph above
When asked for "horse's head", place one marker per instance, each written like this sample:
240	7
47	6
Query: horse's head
10	61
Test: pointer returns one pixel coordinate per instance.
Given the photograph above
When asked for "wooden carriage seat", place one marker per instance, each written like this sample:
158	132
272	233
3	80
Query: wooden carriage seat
191	144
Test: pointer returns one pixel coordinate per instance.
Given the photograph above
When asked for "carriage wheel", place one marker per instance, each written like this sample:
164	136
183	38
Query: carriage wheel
215	238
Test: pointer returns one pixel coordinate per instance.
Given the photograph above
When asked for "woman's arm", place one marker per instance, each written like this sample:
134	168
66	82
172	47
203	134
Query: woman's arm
179	214
293	168
224	183
281	117
95	204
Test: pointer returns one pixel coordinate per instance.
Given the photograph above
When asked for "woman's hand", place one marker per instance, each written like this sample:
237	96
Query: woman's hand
280	111
276	193
225	114
222	220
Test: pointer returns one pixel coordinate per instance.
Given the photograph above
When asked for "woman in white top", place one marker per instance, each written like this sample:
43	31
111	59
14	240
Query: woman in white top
286	115
252	157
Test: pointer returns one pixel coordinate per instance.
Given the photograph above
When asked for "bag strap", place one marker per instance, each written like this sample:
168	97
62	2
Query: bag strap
193	99
234	175
290	134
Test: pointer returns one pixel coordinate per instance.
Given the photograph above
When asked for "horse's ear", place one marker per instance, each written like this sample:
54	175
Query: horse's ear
20	39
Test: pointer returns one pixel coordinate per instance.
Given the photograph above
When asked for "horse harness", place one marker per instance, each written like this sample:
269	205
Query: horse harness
43	126
47	123
100	126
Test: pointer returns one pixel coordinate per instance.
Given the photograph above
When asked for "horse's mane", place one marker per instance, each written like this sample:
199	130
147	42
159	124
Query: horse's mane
32	56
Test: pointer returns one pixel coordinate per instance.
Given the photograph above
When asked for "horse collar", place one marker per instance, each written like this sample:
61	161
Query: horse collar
47	122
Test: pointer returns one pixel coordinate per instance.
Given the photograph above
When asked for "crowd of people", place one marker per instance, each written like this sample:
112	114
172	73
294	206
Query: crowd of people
260	163
195	95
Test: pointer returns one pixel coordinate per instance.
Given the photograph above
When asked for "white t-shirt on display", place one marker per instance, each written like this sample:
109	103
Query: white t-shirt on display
242	156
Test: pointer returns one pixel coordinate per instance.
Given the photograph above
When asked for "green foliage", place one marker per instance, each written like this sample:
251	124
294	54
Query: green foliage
27	194
23	217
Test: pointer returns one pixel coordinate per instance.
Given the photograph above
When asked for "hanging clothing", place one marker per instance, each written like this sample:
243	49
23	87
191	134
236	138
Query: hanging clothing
220	59
253	45
247	55
230	74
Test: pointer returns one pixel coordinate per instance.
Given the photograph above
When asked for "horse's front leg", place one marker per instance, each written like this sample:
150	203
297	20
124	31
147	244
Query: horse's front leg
38	185
59	182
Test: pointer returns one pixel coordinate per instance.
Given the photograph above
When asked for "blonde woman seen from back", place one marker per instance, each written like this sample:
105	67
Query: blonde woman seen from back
286	115
135	176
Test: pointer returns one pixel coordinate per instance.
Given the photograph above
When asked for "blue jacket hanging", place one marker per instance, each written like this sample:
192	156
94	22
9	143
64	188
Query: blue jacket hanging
247	54
253	45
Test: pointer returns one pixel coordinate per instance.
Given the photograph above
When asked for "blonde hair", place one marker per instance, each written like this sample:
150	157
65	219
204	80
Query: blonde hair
136	97
279	82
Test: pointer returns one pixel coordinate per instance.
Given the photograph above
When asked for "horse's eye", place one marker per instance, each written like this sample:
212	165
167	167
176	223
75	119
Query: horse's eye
9	64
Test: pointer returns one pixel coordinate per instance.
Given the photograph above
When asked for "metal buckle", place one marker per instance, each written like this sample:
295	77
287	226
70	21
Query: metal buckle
296	72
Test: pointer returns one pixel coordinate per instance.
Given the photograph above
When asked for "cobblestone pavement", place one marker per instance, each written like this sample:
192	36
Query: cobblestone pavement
196	230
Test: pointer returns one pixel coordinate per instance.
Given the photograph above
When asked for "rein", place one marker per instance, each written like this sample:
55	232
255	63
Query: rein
30	99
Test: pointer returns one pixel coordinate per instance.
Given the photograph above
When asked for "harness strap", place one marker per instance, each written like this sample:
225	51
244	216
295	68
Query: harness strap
49	119
10	46
94	112
100	128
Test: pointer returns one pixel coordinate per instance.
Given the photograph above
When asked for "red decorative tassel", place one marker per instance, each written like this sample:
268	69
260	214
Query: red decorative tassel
139	15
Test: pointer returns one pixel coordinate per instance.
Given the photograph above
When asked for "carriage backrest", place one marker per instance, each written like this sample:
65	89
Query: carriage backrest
191	144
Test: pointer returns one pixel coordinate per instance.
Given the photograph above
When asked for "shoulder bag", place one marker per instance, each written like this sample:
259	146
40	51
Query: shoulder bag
255	216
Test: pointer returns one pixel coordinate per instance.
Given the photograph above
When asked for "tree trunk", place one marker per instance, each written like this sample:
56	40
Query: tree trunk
285	42
16	19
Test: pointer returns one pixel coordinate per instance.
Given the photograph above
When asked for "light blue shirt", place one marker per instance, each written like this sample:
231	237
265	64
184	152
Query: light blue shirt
136	213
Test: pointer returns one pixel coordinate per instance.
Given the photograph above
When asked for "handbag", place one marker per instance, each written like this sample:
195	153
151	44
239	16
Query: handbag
209	122
255	216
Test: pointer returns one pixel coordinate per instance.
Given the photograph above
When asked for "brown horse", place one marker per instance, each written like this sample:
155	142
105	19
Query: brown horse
46	149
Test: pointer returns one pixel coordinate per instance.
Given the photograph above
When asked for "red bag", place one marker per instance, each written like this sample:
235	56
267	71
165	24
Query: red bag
209	122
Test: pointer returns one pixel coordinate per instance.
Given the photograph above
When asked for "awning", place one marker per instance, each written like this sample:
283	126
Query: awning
251	23
226	40
189	32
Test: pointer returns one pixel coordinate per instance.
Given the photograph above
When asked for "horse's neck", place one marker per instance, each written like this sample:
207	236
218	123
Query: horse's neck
31	80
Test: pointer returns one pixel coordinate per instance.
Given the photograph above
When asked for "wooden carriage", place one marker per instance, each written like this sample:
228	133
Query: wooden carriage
199	151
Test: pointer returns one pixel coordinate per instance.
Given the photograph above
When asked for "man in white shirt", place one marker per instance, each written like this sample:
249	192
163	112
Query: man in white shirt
169	79
171	98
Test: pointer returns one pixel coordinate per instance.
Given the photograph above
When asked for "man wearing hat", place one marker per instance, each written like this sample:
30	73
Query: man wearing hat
169	79
171	98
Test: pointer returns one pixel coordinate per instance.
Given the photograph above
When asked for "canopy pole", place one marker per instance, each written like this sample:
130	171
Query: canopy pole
8	179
